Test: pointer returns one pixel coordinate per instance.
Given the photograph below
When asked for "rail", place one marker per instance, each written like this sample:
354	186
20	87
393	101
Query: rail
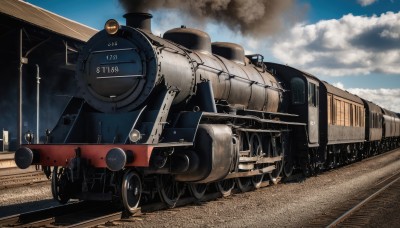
367	200
78	214
22	179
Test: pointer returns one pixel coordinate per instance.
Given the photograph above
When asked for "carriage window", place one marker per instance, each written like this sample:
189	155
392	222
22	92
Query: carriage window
329	109
342	113
362	117
372	120
298	91
338	113
312	94
351	115
334	115
346	114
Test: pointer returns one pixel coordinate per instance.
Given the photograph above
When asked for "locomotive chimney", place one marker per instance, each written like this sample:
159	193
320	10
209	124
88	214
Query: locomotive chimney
139	20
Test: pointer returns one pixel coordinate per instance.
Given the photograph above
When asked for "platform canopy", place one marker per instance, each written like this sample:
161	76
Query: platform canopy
47	20
34	41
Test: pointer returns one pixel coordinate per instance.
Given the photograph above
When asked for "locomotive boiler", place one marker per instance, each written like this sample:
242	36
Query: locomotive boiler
159	115
122	71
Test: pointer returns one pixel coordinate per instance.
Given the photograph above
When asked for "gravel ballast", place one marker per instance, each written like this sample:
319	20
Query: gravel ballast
290	204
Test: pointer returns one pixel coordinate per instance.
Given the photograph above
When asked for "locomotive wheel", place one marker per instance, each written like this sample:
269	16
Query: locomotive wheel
288	168
169	190
59	185
337	156
225	187
198	190
276	173
244	184
257	180
131	191
274	176
256	148
331	158
348	154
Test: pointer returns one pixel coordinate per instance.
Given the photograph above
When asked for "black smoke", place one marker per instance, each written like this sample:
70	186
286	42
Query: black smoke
254	17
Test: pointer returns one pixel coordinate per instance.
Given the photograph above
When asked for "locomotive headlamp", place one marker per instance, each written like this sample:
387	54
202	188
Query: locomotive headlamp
134	135
29	137
111	26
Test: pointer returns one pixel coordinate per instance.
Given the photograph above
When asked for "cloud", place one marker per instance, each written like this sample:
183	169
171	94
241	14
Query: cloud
366	2
351	45
386	98
339	85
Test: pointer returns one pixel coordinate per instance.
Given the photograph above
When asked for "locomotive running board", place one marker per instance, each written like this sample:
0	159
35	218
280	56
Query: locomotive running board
230	116
260	160
267	169
248	111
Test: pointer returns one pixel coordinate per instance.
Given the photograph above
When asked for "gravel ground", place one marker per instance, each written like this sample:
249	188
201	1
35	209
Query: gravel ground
289	205
27	198
382	211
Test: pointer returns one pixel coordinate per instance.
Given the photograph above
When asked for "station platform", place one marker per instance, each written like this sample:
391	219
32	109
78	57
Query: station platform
8	166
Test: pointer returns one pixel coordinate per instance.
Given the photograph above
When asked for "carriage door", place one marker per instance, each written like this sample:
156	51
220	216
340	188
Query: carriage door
313	112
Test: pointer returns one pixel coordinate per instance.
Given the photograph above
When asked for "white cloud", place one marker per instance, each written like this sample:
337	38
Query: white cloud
386	98
351	45
390	34
339	85
366	2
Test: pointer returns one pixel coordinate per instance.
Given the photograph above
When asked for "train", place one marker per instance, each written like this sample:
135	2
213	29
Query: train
156	118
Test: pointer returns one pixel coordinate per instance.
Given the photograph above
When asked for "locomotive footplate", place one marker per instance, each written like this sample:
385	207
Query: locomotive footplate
137	155
267	169
60	155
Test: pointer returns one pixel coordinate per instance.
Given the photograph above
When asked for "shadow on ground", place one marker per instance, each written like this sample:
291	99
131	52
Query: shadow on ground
25	207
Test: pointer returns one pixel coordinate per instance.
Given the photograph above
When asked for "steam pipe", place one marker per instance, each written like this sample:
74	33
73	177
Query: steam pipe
37	102
19	130
23	60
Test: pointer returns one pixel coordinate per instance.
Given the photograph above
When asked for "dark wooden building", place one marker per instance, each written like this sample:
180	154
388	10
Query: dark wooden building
35	46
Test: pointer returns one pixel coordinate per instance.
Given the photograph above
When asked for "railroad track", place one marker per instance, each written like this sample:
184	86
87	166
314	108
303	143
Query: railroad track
365	208
11	176
79	214
22	179
357	211
88	214
212	196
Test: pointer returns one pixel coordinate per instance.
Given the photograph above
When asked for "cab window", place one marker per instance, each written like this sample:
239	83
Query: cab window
298	91
312	94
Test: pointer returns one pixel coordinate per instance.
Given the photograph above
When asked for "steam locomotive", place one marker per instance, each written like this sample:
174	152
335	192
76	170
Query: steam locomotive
156	116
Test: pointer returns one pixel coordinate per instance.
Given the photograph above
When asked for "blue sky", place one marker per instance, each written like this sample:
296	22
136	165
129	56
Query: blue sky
353	44
323	10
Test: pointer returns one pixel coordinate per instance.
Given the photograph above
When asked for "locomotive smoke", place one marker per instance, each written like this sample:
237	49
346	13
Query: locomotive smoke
253	17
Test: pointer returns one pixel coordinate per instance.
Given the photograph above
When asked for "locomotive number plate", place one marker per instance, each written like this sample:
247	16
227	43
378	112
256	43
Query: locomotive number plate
116	63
